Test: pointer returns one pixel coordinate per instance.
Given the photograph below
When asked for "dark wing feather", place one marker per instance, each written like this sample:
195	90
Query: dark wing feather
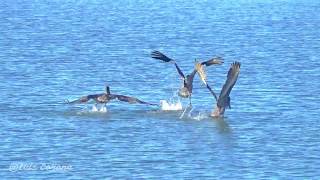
215	60
224	99
161	56
131	100
179	71
212	92
83	99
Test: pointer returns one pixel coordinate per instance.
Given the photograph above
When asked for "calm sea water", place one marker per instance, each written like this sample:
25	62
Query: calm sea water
56	50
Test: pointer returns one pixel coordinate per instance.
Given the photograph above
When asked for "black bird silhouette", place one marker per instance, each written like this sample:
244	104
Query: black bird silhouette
186	90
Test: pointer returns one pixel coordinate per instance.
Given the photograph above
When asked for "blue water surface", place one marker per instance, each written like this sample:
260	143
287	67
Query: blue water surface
51	51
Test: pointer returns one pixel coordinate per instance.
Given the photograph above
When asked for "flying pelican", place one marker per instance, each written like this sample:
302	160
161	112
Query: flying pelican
224	98
186	90
104	98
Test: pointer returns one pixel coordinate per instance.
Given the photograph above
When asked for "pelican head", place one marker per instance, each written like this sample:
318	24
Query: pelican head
107	89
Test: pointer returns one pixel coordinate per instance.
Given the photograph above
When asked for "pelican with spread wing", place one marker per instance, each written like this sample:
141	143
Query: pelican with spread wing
186	90
224	97
104	98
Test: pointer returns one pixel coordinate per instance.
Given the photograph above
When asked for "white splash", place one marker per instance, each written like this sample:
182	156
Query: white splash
170	106
200	116
189	113
190	109
103	109
95	108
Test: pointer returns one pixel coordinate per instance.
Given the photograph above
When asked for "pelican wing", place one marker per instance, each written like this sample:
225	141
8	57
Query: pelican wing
83	99
224	99
201	71
179	71
161	56
201	68
212	92
215	60
131	100
203	76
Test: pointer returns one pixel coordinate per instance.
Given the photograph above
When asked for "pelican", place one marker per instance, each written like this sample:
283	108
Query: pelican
104	98
186	90
224	98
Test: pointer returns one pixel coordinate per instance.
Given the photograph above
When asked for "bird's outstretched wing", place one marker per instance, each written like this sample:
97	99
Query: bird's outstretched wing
224	99
131	100
216	60
199	68
83	99
161	56
212	92
202	72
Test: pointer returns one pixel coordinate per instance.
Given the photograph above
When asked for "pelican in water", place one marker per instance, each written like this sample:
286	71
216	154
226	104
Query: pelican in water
224	97
186	89
104	98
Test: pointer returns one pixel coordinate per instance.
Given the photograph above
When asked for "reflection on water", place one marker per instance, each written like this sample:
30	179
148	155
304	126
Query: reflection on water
222	125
